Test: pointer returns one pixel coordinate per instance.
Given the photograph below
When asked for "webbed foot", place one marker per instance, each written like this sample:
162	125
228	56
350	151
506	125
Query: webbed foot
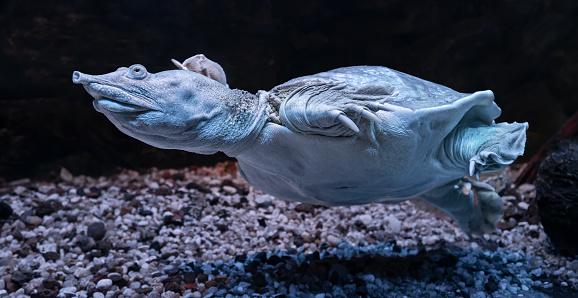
474	205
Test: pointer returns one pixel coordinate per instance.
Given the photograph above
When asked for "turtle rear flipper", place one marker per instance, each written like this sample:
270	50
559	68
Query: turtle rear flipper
484	148
474	205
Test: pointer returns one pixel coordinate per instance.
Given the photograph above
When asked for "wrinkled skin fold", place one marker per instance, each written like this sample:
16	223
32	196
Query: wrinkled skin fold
352	135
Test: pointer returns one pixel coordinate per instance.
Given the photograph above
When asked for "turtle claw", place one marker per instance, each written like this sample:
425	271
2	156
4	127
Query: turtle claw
370	116
345	121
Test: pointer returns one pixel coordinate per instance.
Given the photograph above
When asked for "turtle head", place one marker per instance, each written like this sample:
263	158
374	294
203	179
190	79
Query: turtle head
175	109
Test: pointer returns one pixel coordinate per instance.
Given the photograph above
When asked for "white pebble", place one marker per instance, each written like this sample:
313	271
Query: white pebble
366	219
333	240
393	224
104	284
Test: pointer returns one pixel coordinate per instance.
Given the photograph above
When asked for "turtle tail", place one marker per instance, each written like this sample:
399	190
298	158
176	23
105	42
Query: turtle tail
486	148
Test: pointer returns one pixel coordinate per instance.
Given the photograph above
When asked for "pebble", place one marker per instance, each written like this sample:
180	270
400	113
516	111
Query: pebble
204	246
333	240
96	230
81	272
229	189
393	224
104	284
366	219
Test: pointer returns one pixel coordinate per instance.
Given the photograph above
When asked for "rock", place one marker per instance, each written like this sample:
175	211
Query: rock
21	277
163	191
29	218
86	243
557	195
96	230
81	272
333	240
176	217
104	284
171	269
48	207
305	207
51	256
229	189
365	219
393	224
263	201
5	210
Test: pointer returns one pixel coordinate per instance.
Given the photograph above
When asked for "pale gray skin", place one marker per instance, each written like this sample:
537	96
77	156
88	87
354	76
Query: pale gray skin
349	136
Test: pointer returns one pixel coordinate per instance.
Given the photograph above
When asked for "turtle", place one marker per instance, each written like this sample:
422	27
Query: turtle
348	136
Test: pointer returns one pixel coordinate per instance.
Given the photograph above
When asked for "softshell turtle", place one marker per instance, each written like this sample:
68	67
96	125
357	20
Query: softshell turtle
348	136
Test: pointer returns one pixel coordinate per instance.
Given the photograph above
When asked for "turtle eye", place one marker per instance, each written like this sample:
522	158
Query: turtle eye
137	72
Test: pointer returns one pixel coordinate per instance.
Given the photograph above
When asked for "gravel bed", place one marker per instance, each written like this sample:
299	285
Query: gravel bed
204	232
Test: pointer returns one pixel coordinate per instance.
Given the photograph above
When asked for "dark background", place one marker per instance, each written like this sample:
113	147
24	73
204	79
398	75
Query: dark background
526	51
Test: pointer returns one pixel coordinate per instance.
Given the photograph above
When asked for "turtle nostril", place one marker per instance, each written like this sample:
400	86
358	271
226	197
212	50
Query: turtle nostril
76	77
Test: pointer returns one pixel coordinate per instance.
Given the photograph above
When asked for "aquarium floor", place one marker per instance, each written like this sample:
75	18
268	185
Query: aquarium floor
204	232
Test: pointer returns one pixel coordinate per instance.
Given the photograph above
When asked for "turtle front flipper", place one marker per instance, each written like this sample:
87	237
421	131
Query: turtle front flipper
475	206
325	108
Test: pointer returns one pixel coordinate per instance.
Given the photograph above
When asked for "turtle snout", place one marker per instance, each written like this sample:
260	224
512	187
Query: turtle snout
80	78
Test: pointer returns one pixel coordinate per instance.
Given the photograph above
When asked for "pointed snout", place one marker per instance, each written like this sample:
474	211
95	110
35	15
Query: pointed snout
80	78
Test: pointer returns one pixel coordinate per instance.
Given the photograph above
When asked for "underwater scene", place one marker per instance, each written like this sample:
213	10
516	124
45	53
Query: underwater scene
271	148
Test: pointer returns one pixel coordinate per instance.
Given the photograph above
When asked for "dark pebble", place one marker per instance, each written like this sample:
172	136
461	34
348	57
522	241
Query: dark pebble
85	243
262	222
261	257
96	230
48	288
258	280
173	278
174	287
21	277
202	278
71	218
252	266
189	277
144	290
134	267
298	240
492	284
5	210
274	260
104	246
155	245
51	284
94	193
117	279
178	218
222	227
305	207
51	256
241	258
163	191
48	207
211	283
198	187
144	212
80	192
